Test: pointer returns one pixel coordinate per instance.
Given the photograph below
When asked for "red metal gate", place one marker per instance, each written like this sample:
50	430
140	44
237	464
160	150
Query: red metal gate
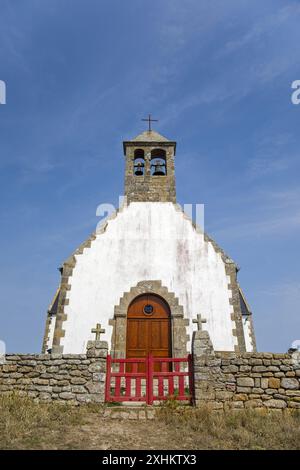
150	379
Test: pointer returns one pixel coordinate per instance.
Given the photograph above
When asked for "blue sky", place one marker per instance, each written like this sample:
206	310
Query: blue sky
81	74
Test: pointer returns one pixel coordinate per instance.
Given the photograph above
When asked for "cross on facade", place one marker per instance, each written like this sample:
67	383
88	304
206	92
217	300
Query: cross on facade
199	321
97	331
149	120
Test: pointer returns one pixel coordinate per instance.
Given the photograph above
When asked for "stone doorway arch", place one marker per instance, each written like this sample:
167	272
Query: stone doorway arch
179	337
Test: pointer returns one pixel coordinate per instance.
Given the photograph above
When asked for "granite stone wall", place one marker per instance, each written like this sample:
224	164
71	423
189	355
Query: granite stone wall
73	378
224	380
230	380
149	187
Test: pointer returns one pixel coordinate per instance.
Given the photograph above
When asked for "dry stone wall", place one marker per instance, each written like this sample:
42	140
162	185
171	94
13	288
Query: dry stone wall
73	378
224	380
246	380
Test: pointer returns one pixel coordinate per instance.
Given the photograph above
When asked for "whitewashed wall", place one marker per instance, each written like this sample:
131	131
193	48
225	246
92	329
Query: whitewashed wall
148	241
52	320
247	334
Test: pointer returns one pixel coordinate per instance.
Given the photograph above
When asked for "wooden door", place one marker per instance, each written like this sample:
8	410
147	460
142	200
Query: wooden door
148	327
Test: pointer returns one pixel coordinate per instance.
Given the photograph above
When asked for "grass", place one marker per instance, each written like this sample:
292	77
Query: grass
23	420
28	425
245	429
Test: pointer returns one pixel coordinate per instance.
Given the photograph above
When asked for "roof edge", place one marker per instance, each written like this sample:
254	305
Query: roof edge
131	143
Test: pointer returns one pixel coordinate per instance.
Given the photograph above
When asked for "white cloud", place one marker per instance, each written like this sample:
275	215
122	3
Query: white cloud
263	28
283	289
278	225
260	49
262	214
272	153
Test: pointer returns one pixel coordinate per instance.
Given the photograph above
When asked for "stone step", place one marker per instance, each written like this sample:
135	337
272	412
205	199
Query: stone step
137	411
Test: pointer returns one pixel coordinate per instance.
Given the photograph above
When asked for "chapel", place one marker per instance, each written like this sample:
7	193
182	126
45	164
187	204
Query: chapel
148	276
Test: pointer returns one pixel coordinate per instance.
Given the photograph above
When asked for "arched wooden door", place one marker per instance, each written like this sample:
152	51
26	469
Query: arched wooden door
148	327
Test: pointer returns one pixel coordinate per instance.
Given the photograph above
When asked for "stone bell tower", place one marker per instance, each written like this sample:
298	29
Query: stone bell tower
150	172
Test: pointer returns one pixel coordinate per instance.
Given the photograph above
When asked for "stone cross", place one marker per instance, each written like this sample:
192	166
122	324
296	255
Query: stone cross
199	321
97	331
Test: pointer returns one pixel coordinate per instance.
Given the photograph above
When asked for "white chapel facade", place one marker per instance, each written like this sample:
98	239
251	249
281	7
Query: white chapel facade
148	273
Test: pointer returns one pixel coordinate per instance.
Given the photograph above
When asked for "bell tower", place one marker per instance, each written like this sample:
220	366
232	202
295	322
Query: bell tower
150	171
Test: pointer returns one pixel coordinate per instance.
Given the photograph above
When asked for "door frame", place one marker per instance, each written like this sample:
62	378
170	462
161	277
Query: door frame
179	324
144	318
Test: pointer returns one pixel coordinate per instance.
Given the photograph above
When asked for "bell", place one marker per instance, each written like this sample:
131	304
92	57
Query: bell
159	169
138	169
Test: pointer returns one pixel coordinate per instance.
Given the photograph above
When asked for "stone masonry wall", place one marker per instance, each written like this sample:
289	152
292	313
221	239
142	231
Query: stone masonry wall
224	380
73	378
227	380
149	187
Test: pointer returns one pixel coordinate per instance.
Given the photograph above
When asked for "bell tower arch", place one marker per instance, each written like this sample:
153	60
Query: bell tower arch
150	169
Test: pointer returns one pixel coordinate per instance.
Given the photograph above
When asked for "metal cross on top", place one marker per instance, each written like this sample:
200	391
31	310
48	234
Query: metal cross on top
199	321
149	121
97	331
